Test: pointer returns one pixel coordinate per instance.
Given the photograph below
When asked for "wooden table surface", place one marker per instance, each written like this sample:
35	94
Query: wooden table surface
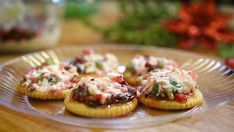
11	120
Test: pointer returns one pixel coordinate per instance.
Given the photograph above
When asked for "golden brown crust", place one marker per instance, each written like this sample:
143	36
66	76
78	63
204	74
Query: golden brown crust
196	99
57	94
114	110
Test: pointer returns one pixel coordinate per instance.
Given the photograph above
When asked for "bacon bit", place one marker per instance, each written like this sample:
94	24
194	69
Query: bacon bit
193	75
88	51
182	98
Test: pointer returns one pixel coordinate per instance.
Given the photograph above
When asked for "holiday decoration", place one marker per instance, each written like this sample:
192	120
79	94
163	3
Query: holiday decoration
141	23
201	23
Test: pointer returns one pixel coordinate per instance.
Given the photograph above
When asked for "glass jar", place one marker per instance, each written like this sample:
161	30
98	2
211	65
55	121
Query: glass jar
27	25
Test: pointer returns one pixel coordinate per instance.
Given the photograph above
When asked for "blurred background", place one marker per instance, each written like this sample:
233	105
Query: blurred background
201	26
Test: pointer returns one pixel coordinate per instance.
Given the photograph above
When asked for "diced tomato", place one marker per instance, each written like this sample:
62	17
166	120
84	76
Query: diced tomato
230	62
88	51
182	98
118	79
99	96
34	79
75	79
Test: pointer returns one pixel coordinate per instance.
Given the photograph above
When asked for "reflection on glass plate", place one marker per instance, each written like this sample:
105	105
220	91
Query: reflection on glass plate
215	81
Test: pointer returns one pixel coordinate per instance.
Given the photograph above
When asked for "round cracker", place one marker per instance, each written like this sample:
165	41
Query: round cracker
114	110
196	99
57	94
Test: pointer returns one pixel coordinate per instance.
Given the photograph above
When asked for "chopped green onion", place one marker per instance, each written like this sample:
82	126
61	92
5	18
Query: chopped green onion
22	81
40	78
129	66
170	94
175	83
127	75
99	64
160	65
139	80
155	90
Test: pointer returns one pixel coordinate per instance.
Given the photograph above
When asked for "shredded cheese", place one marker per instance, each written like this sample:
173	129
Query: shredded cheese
57	71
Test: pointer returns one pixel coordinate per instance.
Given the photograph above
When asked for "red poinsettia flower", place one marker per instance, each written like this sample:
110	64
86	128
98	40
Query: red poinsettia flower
200	23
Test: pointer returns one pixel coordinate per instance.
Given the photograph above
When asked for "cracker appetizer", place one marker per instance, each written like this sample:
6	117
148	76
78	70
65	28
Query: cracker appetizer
140	65
91	63
49	81
102	97
170	89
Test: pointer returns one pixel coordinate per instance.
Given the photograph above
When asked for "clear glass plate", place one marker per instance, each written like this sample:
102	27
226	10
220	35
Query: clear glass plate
216	82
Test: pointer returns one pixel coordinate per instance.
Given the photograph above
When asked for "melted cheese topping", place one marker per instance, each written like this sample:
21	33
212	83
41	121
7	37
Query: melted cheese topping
139	62
56	73
107	63
184	81
104	86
